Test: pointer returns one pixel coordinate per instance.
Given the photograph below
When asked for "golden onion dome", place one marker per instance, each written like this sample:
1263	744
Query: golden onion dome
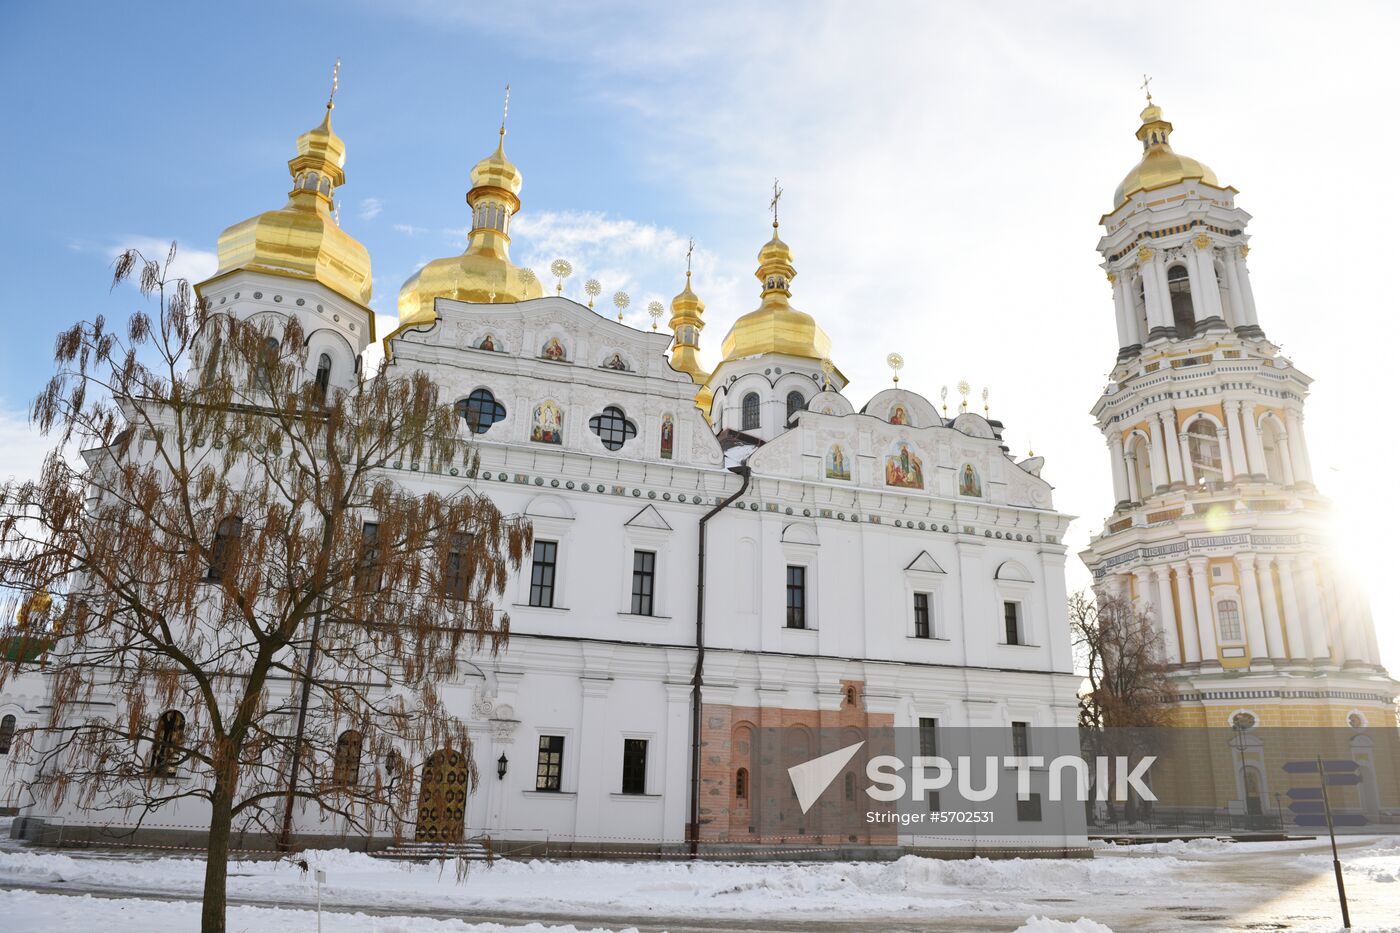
484	273
687	312
775	326
1160	165
303	239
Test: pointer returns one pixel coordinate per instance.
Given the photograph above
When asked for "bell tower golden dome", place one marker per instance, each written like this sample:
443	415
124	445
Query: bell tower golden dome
303	240
776	326
484	273
1160	165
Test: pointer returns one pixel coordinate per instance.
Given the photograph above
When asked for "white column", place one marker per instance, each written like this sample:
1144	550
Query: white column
1120	467
1236	439
1127	311
1155	294
1232	279
1285	457
1342	635
1227	462
1159	269
1246	291
1160	478
1166	616
1253	613
1292	611
1205	616
1302	469
1200	308
1171	446
1190	636
1273	625
1130	461
1210	285
1188	469
1253	446
1314	622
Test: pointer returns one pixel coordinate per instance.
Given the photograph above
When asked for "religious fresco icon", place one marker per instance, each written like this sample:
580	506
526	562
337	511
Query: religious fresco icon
615	362
969	483
838	466
554	350
487	343
903	467
668	436
547	426
899	415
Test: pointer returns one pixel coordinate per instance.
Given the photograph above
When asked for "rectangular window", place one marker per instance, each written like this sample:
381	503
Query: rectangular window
455	573
921	617
1020	739
549	767
542	573
1028	810
1011	613
934	805
928	737
368	573
634	766
796	597
643	582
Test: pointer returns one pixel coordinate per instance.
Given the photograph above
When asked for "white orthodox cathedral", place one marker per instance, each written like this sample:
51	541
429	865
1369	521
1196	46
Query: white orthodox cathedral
875	564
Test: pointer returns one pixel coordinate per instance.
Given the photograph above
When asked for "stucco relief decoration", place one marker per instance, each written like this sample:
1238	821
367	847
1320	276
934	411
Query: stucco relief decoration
969	483
553	349
668	436
838	463
547	425
903	467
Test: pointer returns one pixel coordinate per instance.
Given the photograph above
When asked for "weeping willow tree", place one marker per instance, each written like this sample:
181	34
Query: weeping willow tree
248	607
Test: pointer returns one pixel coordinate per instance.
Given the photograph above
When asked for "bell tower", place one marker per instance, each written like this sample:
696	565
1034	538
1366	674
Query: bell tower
1218	530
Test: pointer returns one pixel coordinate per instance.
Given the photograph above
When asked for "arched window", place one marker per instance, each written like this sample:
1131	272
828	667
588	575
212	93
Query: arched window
1203	439
266	364
168	750
612	427
224	547
1228	612
1140	463
346	772
456	571
7	734
741	783
1179	288
393	766
323	374
750	422
795	403
480	410
1227	301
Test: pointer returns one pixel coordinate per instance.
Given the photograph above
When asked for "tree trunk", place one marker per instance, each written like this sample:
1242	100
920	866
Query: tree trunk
216	869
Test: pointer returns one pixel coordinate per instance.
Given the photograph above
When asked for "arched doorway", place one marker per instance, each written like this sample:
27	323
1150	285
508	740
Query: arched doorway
442	798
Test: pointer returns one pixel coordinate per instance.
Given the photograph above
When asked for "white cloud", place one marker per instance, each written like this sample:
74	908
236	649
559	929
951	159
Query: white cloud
190	263
409	229
371	208
24	447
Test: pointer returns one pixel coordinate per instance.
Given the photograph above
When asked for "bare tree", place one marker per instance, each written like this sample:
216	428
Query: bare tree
1130	689
249	607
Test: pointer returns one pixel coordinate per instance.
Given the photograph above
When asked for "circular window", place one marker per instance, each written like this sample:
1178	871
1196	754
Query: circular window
612	427
481	410
1243	721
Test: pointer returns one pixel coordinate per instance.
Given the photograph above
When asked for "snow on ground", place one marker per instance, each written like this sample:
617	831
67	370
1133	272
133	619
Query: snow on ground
1046	925
26	911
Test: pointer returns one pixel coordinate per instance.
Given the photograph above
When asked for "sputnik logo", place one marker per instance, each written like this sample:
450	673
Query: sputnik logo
811	778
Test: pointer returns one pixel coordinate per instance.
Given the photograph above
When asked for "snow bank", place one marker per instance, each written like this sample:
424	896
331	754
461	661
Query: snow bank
1046	925
30	912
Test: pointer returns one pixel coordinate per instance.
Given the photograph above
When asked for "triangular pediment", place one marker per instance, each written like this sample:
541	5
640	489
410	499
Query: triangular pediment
924	564
648	518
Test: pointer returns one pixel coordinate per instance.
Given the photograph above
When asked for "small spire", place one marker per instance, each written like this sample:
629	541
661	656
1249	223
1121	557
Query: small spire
335	85
689	251
773	204
505	110
1146	87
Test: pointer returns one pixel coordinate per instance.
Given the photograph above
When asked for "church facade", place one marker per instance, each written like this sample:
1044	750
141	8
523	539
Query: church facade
880	565
1219	530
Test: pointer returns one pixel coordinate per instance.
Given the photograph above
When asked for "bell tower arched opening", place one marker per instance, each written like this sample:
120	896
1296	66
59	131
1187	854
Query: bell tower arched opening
1183	311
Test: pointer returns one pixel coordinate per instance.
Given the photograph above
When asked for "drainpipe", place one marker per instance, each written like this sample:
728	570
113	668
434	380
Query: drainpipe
693	827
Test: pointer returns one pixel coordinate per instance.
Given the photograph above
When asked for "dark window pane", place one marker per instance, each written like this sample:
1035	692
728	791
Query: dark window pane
1028	810
456	574
323	374
750	419
480	410
542	574
928	737
643	582
549	767
1012	614
797	597
921	626
1020	739
634	766
795	403
369	573
7	734
612	427
224	546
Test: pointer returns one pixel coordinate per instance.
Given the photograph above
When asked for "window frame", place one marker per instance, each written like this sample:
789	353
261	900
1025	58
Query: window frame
618	430
644	600
552	771
8	724
1013	622
923	614
475	403
750	417
537	586
801	588
634	773
1020	738
223	547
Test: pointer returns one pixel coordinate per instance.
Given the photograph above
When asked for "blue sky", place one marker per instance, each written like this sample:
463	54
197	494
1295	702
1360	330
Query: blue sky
945	166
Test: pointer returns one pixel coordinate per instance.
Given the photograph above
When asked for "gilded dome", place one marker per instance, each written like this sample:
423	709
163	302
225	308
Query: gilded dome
484	273
776	326
1160	166
687	313
302	239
